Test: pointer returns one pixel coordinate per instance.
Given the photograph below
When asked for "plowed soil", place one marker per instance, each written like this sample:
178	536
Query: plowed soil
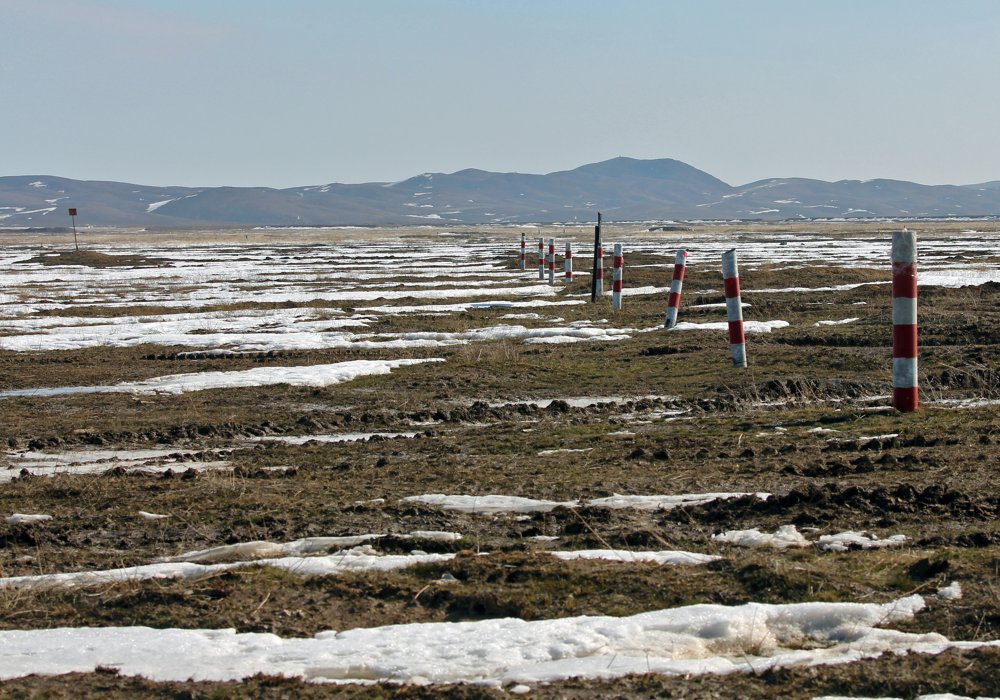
808	422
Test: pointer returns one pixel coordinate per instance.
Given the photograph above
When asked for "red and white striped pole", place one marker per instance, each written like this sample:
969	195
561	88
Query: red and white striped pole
674	300
905	392
524	262
616	279
734	308
541	258
552	261
569	262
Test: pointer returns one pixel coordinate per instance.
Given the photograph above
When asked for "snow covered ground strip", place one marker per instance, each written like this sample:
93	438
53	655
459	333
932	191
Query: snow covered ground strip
308	375
77	463
695	640
584	401
625	555
96	461
393	270
788	536
748	326
491	504
356	559
295	558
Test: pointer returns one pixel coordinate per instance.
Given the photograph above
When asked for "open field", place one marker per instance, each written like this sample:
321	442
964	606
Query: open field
271	432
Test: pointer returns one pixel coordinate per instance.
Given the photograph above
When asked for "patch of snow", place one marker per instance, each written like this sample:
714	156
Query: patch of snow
952	591
308	375
690	640
667	502
720	305
784	537
488	504
835	323
624	555
27	518
748	326
156	205
843	541
361	558
331	437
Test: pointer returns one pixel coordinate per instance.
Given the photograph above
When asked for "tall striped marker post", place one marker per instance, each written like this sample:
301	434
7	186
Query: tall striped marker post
734	308
541	258
905	392
569	262
552	261
616	278
674	300
524	261
597	274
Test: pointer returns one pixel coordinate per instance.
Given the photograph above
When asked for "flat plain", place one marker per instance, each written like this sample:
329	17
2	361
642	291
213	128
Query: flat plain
293	432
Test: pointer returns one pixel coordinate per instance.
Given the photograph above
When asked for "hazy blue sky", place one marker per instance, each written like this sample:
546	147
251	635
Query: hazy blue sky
262	92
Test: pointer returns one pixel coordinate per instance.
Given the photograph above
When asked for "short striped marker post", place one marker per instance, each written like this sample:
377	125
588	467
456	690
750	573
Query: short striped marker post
524	261
905	392
541	258
734	308
616	278
552	261
674	300
569	262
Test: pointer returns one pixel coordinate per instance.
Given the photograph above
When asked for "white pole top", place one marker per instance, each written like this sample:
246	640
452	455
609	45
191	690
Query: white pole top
904	246
729	267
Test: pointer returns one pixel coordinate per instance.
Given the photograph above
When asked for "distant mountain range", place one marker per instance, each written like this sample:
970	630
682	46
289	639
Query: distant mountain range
624	189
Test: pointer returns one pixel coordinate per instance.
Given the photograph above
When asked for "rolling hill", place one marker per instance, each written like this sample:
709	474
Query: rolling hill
624	189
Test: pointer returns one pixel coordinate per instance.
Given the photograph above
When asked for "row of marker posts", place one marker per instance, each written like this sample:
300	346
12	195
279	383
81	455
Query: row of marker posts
905	390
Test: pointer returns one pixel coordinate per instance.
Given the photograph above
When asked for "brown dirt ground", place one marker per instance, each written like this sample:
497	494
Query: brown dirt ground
935	482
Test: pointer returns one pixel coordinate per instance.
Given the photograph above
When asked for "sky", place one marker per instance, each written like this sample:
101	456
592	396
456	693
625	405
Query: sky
262	93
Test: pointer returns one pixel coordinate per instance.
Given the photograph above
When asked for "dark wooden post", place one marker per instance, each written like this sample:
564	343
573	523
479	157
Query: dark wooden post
597	259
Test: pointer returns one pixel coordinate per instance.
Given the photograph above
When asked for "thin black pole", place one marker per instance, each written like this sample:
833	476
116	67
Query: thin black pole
72	212
597	247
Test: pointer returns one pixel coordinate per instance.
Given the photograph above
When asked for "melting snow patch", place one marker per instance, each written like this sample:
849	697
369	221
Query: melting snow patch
843	541
156	205
784	537
27	518
667	502
309	375
623	555
242	551
835	323
952	591
697	639
748	326
488	504
357	559
331	437
719	305
515	504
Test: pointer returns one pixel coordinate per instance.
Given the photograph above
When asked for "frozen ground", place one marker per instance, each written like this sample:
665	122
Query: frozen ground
778	487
